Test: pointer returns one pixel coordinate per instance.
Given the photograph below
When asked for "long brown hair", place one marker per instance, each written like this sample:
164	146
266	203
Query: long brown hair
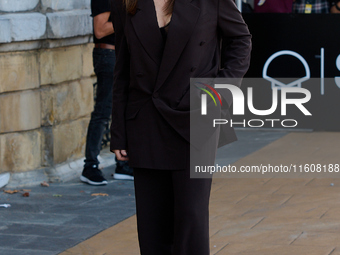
131	6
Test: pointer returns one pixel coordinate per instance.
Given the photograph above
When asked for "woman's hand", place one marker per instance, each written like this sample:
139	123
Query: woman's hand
121	155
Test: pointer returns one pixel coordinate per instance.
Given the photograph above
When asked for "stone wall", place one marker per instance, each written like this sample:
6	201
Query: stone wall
46	82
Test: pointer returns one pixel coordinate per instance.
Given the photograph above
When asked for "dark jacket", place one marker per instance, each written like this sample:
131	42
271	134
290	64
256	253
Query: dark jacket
151	101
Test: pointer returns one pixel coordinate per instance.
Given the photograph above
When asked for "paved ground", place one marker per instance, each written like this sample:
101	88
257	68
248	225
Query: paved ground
248	216
55	218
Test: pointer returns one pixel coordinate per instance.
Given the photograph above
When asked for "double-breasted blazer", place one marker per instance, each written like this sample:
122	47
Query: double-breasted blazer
151	101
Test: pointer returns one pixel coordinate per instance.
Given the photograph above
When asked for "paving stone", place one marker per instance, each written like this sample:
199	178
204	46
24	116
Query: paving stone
217	247
318	239
8	240
232	211
42	230
90	210
308	211
333	183
336	251
332	213
35	218
69	24
245	145
265	199
302	224
232	225
11	251
48	244
261	237
92	221
321	198
299	148
259	249
109	238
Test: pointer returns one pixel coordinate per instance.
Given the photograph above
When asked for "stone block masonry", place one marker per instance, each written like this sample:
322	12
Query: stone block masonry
20	111
64	5
20	151
19	71
65	102
60	64
5	30
27	20
18	5
69	23
26	26
48	92
46	85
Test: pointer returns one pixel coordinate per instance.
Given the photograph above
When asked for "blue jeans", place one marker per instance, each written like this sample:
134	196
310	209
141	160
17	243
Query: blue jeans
103	62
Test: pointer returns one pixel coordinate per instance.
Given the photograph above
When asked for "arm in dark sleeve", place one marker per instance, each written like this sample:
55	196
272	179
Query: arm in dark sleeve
333	6
236	45
121	79
100	6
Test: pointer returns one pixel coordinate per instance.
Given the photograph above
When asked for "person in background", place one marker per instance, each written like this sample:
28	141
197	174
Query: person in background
103	62
335	6
271	6
316	6
247	6
295	6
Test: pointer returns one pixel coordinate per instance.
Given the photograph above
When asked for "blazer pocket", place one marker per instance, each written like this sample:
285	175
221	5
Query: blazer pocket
132	109
184	103
131	113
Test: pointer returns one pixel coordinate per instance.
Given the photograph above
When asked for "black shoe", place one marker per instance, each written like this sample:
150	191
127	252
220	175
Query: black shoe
93	176
123	171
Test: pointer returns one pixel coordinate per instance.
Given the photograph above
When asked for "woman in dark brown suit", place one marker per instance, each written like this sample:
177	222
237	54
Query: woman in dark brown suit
160	45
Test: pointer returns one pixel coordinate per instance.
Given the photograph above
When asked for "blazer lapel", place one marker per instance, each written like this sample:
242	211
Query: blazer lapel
183	21
146	27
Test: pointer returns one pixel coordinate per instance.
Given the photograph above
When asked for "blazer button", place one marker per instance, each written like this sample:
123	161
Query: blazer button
193	69
156	95
202	43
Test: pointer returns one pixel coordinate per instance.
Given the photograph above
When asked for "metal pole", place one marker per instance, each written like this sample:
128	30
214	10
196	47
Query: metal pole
239	4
